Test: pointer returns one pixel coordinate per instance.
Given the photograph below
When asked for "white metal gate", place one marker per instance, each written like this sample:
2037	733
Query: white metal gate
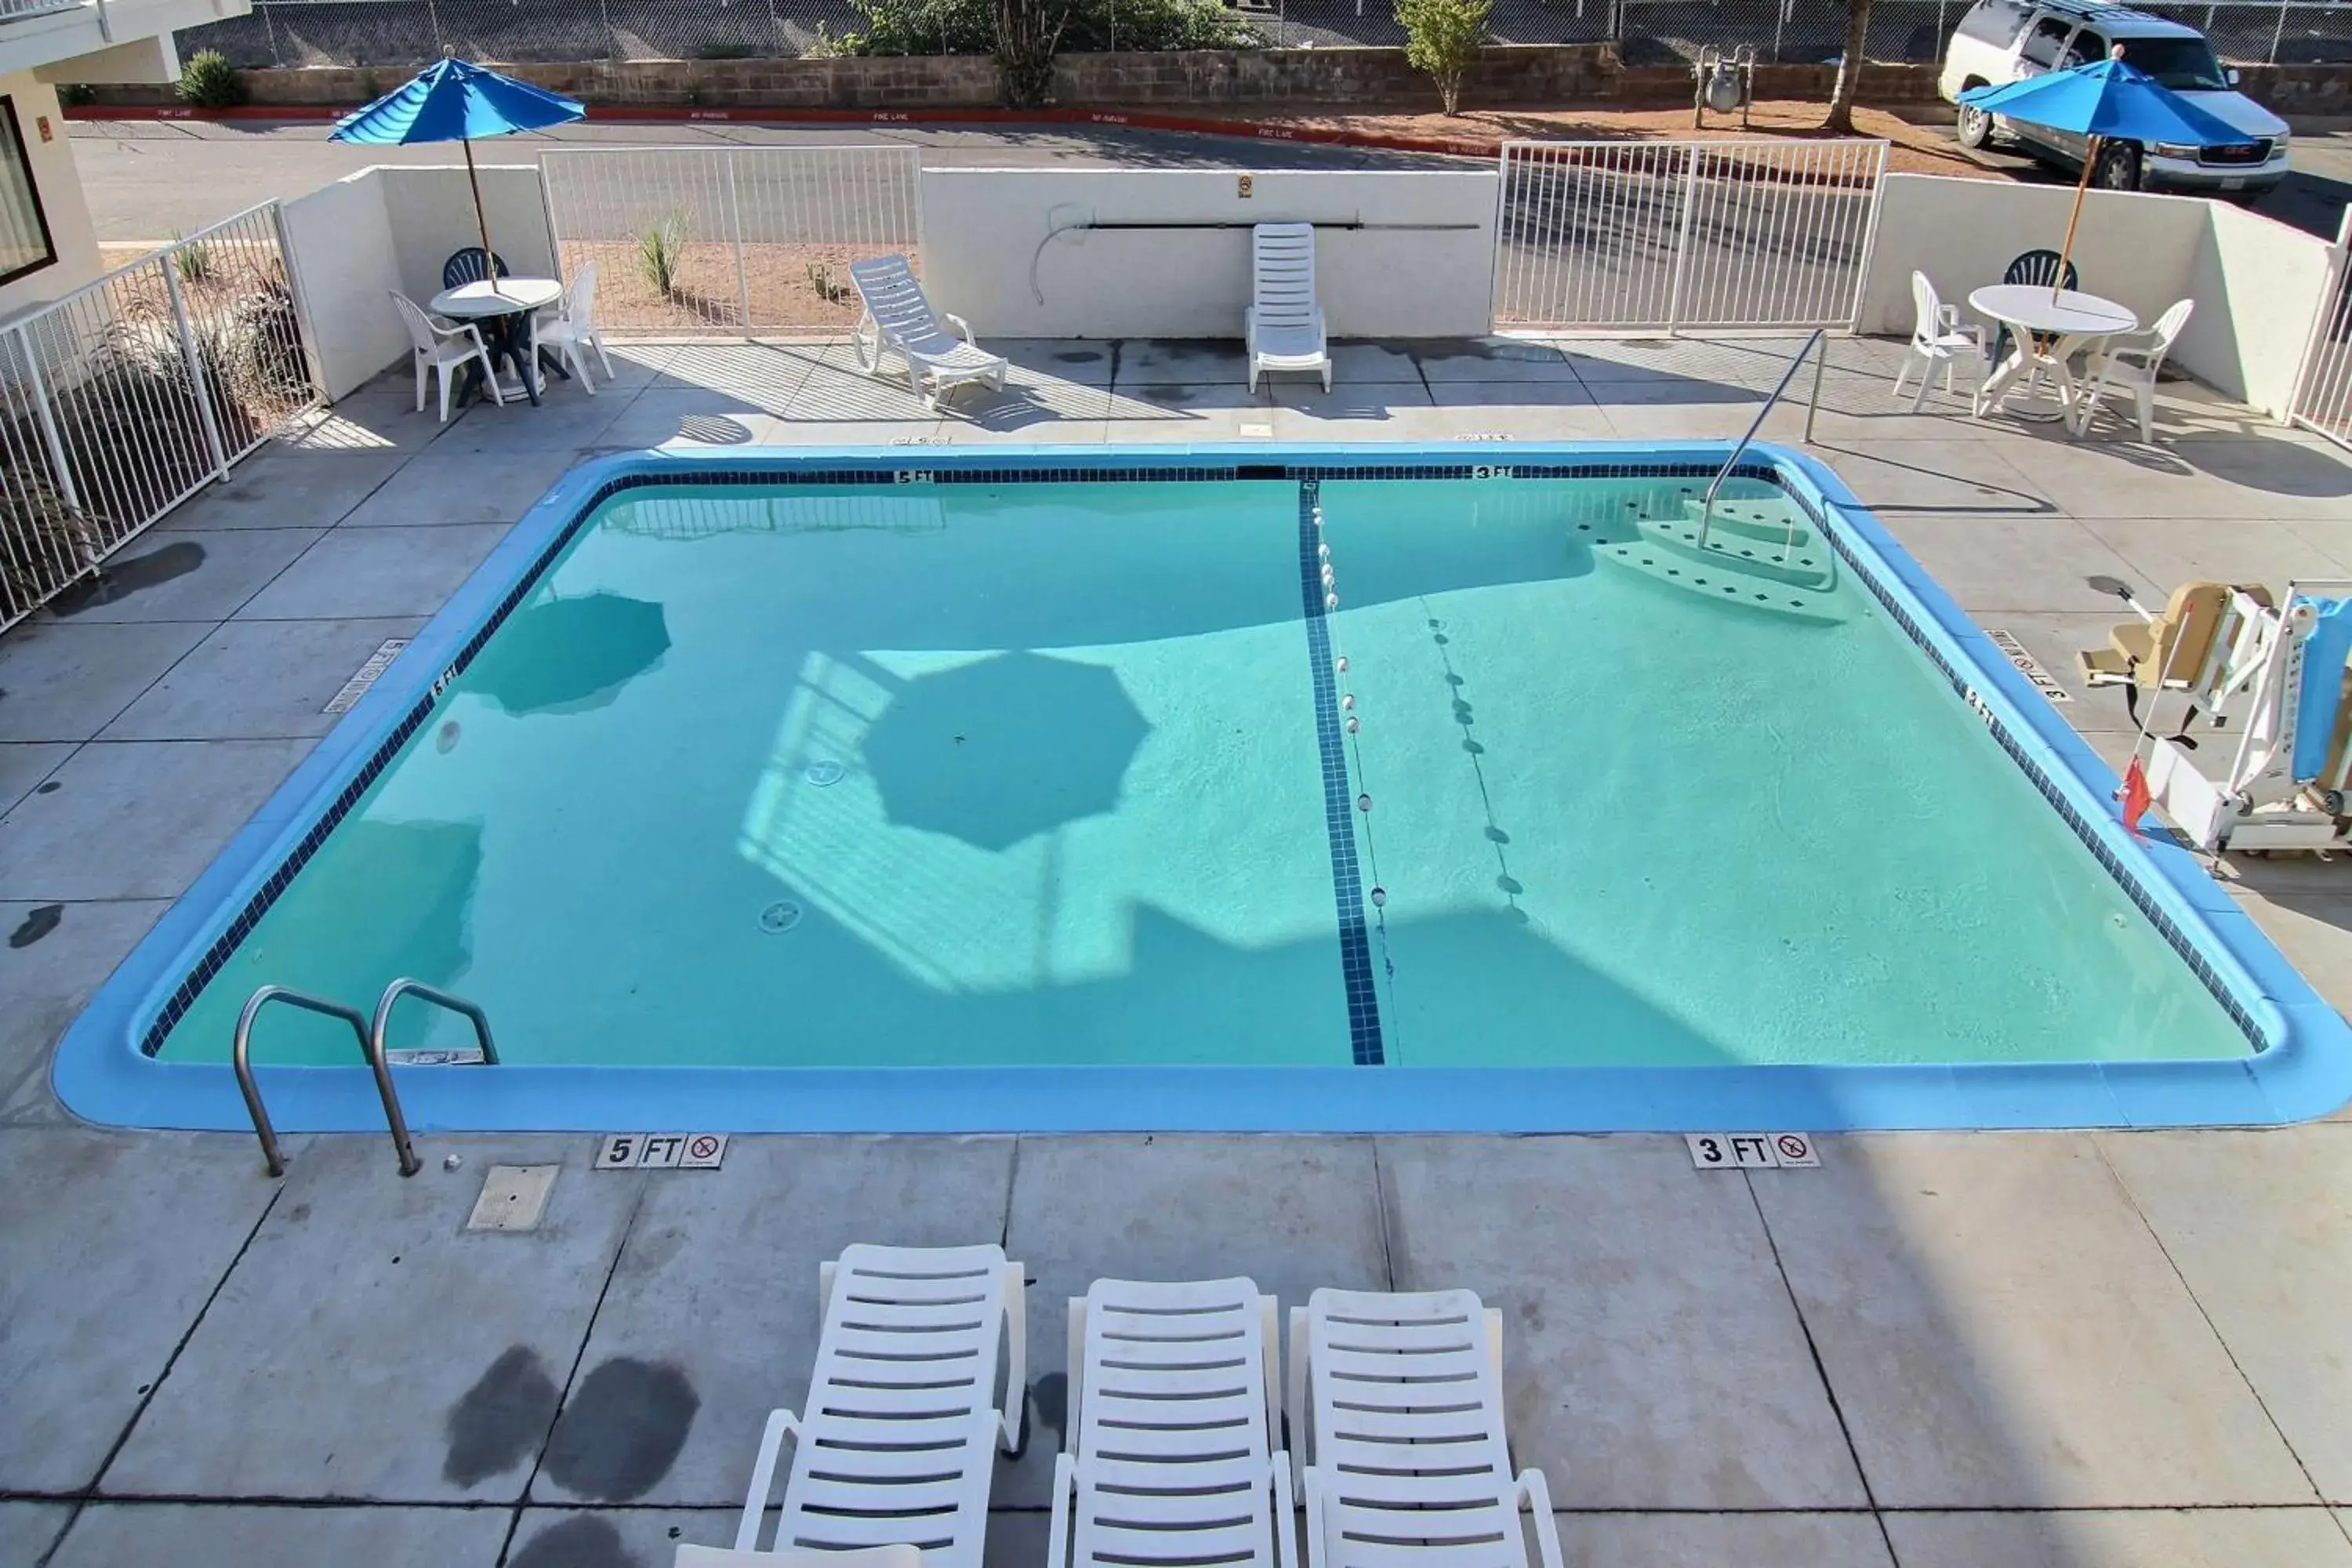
1612	236
729	239
2322	394
123	398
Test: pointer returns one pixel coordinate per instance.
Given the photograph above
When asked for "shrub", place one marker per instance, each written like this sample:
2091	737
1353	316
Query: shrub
661	250
1153	25
209	81
193	261
1442	37
970	26
922	28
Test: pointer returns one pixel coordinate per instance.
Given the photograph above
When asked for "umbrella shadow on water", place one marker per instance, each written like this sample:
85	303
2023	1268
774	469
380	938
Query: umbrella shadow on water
570	656
1006	748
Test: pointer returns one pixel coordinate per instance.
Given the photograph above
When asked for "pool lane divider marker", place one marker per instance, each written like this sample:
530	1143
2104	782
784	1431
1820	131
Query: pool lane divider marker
1338	800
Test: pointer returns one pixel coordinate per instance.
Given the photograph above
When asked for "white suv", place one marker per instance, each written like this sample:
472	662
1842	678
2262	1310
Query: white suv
2001	41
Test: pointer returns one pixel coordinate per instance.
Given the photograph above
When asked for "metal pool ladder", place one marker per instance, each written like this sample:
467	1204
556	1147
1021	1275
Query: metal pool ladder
371	1039
1819	340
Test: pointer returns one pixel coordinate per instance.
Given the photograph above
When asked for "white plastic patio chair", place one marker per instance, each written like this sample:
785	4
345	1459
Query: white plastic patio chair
445	349
1283	325
1400	1398
899	317
903	1417
1172	1447
572	330
1937	333
2129	363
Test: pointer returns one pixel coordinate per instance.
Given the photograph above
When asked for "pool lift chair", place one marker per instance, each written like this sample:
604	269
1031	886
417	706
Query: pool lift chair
2275	677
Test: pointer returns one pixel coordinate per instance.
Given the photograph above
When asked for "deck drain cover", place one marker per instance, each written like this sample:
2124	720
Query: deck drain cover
780	917
826	773
514	1197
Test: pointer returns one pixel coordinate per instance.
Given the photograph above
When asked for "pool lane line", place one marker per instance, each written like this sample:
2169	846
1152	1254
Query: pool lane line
1338	804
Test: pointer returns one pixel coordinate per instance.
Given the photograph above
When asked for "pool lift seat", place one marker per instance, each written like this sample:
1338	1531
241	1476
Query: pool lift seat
2275	671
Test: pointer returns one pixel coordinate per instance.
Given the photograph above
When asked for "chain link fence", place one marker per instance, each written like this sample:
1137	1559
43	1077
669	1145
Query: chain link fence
400	35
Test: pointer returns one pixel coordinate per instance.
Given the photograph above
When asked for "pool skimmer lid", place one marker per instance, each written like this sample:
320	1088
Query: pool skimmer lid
780	917
826	772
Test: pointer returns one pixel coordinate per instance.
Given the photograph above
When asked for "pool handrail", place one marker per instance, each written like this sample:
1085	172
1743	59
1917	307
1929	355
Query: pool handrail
1820	339
241	1053
405	986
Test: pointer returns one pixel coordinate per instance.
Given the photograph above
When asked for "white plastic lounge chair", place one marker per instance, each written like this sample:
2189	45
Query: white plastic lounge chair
1284	324
2129	363
692	1556
1407	1458
899	317
445	350
572	330
903	1415
1937	333
1172	1447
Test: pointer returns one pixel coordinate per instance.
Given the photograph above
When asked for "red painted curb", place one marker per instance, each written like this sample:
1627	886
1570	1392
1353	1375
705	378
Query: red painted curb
680	115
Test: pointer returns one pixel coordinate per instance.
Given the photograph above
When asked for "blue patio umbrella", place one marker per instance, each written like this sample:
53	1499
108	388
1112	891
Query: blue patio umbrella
453	100
2104	100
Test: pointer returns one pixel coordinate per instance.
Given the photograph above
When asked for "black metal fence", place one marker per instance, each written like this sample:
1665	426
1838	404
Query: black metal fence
402	33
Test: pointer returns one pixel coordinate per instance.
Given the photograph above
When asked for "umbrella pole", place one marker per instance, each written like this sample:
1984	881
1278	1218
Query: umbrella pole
2058	279
490	257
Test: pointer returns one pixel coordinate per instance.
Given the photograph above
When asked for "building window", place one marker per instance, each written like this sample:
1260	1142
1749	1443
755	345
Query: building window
24	244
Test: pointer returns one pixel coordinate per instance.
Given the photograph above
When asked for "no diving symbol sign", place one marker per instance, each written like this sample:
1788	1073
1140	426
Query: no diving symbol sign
661	1150
1751	1151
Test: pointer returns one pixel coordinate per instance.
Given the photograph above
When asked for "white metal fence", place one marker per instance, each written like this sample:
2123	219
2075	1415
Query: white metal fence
1613	235
123	398
730	239
2323	396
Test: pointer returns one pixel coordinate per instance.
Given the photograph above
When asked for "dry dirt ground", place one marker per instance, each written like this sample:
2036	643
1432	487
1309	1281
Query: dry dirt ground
1915	150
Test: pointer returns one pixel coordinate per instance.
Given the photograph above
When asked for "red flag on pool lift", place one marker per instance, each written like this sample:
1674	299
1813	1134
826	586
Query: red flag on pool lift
2135	795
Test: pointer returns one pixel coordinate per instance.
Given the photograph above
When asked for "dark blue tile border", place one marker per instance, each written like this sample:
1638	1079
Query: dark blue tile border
2303	1066
1338	801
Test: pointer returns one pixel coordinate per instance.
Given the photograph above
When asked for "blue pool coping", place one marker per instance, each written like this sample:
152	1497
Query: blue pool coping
2303	1069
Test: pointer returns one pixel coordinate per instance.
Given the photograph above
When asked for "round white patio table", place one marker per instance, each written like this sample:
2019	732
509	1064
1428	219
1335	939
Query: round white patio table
486	300
2070	318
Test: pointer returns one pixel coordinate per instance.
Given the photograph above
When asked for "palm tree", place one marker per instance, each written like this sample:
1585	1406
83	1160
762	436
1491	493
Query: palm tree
1849	76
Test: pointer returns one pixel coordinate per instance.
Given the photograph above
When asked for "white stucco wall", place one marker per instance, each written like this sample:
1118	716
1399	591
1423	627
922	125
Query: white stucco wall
344	260
431	210
2257	284
2138	250
62	202
1420	265
390	228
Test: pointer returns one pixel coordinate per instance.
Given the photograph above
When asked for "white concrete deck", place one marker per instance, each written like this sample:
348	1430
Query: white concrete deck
2035	1351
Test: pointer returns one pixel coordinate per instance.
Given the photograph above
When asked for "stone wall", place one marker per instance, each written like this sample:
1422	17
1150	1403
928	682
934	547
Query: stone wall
1506	75
1543	76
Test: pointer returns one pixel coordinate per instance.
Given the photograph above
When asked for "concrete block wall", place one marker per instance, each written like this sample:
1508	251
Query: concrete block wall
1534	75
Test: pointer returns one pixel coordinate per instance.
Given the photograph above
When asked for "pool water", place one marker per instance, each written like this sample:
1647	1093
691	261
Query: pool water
1048	773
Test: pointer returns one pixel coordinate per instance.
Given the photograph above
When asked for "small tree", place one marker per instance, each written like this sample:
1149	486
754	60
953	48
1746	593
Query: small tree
1849	76
209	81
1028	32
1442	37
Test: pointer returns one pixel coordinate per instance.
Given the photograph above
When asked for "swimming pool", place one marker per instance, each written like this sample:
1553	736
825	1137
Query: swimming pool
1352	788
